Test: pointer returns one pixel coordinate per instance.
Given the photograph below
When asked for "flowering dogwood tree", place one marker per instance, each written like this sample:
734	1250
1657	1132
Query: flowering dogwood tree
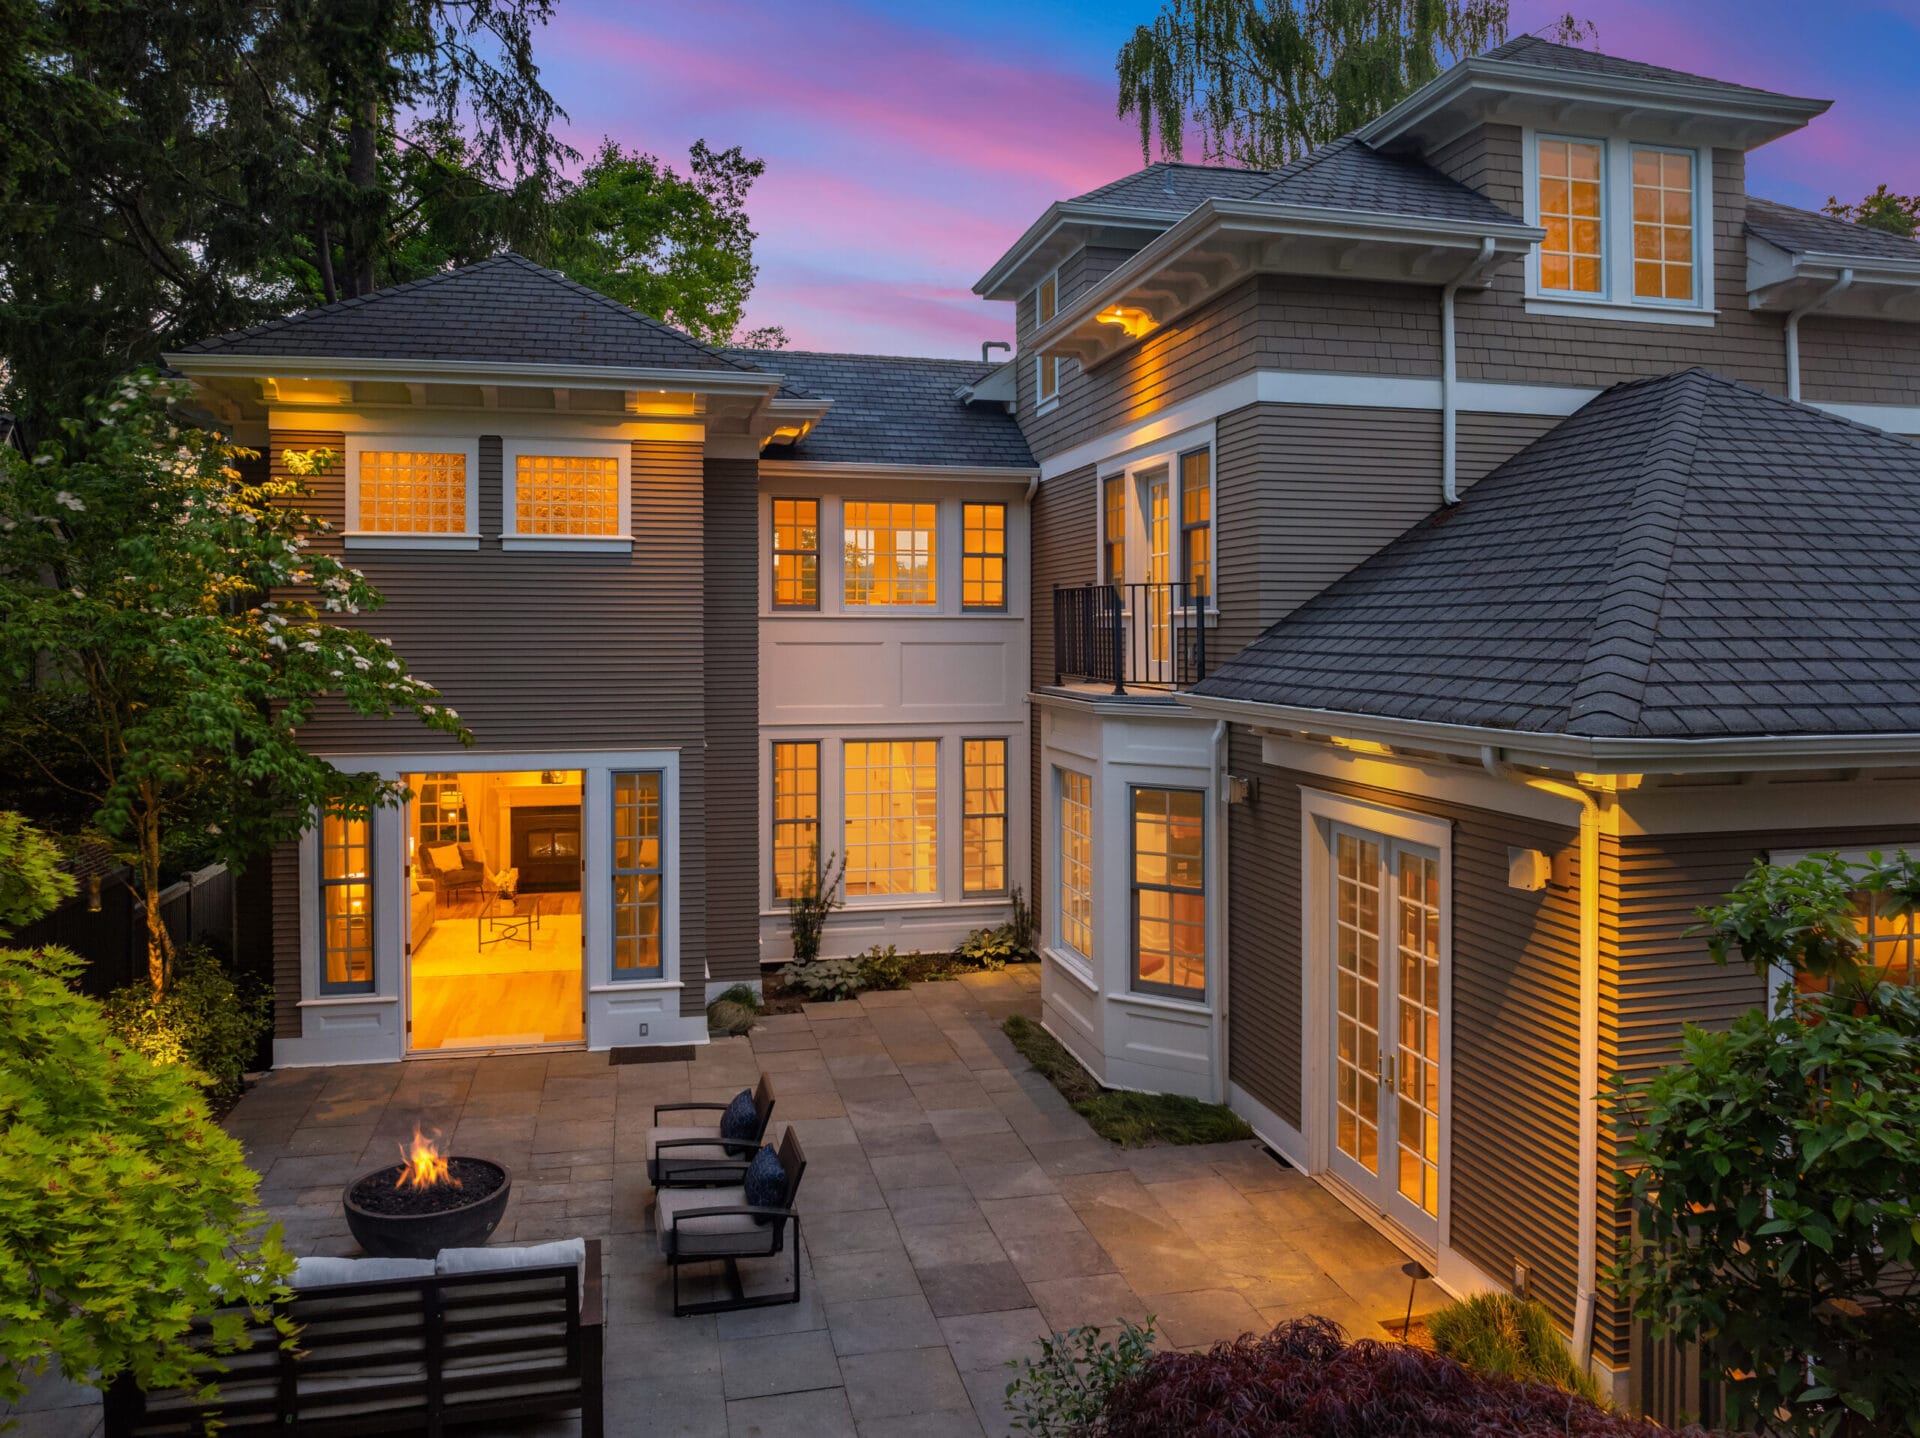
169	628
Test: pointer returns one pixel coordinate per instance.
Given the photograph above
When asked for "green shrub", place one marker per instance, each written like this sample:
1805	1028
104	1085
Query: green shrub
1502	1336
824	980
884	968
1008	943
32	883
735	1012
1063	1392
125	1211
1129	1119
204	1020
809	910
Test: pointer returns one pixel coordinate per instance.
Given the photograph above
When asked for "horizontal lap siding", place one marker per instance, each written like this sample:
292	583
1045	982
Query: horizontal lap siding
283	873
732	670
1859	361
1516	1012
1484	442
1306	492
1063	536
1656	977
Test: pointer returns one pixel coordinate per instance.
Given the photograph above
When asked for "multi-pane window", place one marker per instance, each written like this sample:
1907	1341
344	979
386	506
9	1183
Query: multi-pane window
796	817
1662	225
893	816
346	906
983	556
1571	214
1113	529
1076	862
638	875
412	492
796	554
1046	303
566	495
889	553
983	828
441	810
1169	892
1196	523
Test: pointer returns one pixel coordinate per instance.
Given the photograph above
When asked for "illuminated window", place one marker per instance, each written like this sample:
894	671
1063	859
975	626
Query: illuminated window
638	878
983	831
893	816
1662	225
346	906
1076	862
796	553
412	492
1570	213
1046	297
568	496
1196	522
1114	528
983	556
796	817
889	553
1169	892
440	810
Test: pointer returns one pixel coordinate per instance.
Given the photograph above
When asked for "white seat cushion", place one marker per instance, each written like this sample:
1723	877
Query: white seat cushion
716	1236
658	1136
325	1272
533	1255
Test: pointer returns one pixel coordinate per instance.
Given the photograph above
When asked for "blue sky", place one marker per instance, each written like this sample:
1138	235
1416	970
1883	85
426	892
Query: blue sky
907	146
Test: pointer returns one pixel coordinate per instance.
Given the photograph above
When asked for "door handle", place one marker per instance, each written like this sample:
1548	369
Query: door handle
1386	1073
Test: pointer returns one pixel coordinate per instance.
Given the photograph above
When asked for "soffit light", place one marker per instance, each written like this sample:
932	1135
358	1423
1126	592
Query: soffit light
1134	321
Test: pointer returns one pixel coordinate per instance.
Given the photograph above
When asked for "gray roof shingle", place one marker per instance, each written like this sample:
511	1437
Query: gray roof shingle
1177	188
1347	174
1802	232
1532	50
1686	557
889	409
506	310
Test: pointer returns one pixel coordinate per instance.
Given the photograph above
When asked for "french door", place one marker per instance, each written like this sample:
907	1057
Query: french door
1156	508
1385	938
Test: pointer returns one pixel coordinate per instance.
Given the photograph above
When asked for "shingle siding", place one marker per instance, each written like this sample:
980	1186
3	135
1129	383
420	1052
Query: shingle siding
1062	554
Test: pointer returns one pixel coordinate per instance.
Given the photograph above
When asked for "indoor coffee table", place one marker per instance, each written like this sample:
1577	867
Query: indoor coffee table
508	919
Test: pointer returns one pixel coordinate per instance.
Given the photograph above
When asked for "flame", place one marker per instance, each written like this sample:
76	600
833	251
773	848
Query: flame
422	1165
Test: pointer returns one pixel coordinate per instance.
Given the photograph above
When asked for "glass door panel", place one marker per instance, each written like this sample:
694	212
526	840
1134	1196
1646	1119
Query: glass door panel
1415	1074
1157	508
1356	1018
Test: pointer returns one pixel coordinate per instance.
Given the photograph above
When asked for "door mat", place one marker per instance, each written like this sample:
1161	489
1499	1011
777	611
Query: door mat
652	1054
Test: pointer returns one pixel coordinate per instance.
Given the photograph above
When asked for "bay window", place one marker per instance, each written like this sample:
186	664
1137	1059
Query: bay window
1169	892
892	791
1076	862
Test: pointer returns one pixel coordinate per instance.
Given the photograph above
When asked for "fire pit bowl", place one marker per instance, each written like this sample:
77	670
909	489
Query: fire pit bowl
415	1208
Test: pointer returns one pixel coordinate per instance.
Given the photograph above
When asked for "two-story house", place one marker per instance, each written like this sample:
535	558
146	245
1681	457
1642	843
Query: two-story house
1378	602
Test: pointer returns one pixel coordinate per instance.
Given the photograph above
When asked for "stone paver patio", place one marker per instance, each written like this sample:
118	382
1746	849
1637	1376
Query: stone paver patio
955	1210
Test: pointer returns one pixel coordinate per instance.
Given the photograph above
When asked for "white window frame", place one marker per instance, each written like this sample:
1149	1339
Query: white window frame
1084	961
1042	402
1166	455
1616	300
512	447
1138	987
357	444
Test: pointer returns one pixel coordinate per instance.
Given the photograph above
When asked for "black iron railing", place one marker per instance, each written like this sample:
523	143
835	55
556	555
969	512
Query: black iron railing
1129	636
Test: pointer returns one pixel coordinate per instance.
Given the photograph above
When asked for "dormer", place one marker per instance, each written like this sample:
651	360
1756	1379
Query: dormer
1617	167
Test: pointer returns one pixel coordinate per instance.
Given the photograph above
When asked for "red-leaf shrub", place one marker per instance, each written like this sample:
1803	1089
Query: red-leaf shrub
1304	1380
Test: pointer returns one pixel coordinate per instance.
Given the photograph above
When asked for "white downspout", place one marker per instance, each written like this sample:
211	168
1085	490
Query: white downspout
1449	424
1218	880
1587	1260
1833	291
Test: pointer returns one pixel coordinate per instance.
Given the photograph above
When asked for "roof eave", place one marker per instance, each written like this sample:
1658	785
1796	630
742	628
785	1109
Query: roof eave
1578	753
1265	225
1878	287
1766	116
226	364
999	283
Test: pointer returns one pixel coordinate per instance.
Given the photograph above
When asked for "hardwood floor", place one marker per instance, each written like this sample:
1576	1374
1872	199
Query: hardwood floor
464	996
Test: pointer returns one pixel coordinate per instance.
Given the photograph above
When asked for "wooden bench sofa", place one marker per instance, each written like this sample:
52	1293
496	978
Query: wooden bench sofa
404	1355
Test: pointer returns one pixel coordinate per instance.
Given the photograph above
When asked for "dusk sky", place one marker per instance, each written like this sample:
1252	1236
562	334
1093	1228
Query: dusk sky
908	145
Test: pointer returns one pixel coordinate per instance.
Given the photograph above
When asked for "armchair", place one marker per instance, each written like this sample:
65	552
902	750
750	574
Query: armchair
692	1155
719	1225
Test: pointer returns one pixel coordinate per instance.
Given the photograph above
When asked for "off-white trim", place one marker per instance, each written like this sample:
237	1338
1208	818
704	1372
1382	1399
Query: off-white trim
1643	313
1893	418
354	539
1056	217
466	445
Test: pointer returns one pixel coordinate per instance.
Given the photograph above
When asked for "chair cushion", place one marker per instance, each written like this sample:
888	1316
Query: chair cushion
707	1237
533	1255
324	1272
709	1149
766	1182
742	1118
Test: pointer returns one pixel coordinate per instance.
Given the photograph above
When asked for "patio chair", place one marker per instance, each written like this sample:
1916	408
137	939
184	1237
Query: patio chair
693	1155
718	1225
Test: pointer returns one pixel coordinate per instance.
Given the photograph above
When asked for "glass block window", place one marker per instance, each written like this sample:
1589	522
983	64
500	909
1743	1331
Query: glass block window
893	816
346	906
983	828
796	817
1662	225
796	554
566	495
638	876
412	492
1570	213
1076	862
983	556
1169	892
889	553
1196	523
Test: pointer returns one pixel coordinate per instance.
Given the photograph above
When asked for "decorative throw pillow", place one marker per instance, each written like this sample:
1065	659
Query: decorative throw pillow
446	857
741	1121
766	1185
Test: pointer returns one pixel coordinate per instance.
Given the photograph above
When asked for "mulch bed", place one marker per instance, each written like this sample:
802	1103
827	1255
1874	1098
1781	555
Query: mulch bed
377	1193
779	997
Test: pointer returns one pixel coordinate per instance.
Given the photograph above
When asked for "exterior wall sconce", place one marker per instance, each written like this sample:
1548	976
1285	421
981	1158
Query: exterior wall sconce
93	893
1528	869
1241	789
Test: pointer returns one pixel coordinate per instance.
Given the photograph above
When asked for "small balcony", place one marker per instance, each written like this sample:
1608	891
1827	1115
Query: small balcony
1128	637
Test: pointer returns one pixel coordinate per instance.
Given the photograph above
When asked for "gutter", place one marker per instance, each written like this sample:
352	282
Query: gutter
1586	1278
250	366
1474	270
1218	920
1833	291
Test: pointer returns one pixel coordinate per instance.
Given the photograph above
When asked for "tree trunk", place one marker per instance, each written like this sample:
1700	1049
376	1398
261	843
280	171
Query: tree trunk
363	175
323	257
159	942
